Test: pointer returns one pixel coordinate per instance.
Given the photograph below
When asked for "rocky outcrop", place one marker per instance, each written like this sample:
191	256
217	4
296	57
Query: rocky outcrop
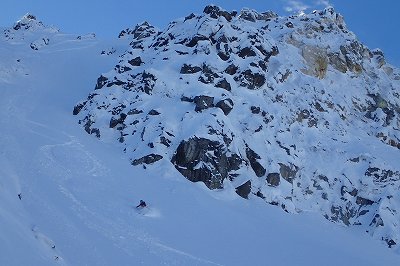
316	60
200	159
244	190
261	105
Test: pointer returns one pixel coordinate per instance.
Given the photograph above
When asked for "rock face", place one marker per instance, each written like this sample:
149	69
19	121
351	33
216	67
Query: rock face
294	110
200	159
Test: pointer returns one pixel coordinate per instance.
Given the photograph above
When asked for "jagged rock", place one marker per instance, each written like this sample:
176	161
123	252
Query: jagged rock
203	102
208	75
363	201
390	242
273	179
146	82
377	221
224	56
134	111
223	84
255	109
231	69
289	24
216	12
317	61
122	69
154	112
25	22
337	62
193	42
165	141
251	80
244	190
225	105
246	52
36	45
101	81
190	17
267	16
354	53
342	214
186	99
137	61
78	108
189	69
200	159
379	57
115	121
252	156
140	31
148	159
288	172
248	15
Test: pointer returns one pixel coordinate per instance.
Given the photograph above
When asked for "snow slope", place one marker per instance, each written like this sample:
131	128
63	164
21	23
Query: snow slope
78	193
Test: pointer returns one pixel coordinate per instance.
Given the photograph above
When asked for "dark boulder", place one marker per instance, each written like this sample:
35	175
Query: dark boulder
134	112
288	172
101	81
244	190
250	80
208	75
193	42
190	17
390	242
189	69
225	105
204	160
137	61
246	52
343	214
252	156
148	159
154	112
115	121
186	99
223	84
224	56
289	24
363	201
273	179
203	102
78	108
231	69
146	82
122	69
255	109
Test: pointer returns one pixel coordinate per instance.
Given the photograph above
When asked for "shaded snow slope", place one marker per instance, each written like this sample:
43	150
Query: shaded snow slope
293	110
78	193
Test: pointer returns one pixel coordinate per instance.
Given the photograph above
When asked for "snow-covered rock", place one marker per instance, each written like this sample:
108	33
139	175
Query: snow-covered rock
294	110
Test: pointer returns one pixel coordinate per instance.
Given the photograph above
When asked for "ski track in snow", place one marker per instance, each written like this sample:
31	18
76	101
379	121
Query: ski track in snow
117	230
49	244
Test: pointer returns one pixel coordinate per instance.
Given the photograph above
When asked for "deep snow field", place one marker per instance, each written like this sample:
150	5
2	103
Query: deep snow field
78	194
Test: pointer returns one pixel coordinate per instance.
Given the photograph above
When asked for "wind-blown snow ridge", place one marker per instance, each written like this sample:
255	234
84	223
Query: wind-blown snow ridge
294	110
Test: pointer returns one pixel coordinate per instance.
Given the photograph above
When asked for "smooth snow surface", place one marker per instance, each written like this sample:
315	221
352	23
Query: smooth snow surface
78	194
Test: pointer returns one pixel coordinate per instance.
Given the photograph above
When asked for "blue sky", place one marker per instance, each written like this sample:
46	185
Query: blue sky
376	23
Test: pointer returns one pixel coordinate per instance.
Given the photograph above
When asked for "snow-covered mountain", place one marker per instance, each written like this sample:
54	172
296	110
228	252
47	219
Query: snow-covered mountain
253	107
294	110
